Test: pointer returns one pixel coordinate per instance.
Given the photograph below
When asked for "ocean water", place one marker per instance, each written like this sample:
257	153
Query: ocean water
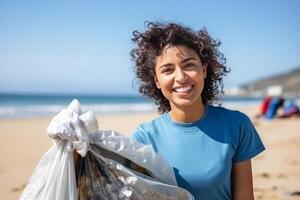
24	105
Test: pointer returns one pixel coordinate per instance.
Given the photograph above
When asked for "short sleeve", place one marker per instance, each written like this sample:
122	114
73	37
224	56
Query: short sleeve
139	135
249	143
142	134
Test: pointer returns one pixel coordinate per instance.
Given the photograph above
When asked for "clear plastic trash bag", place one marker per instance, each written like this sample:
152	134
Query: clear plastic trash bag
111	166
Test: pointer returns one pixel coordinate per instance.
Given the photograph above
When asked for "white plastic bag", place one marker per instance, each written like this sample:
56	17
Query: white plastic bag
54	177
112	166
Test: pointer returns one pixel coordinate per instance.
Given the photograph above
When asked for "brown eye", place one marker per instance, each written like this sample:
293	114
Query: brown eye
166	70
190	65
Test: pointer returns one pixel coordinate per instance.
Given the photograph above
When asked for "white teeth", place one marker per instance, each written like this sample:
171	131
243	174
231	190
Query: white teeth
183	89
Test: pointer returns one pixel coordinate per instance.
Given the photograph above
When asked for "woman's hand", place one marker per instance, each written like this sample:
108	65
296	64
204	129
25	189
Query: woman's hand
242	185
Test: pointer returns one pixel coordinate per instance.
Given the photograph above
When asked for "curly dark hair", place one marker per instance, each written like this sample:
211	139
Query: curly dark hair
152	42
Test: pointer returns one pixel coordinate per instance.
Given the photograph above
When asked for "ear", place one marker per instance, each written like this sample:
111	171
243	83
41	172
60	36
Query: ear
204	67
156	82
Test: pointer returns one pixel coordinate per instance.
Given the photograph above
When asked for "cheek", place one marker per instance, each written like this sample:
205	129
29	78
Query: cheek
163	80
199	79
196	76
165	87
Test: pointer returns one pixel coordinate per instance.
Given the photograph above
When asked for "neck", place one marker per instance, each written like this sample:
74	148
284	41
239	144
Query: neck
187	114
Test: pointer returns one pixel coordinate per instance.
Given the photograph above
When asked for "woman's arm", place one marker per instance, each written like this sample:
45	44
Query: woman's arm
242	185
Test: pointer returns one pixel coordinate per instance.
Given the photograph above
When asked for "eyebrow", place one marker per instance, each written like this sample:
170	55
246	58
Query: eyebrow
165	65
184	61
188	59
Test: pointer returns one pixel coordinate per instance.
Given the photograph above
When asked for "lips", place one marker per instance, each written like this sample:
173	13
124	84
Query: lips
183	89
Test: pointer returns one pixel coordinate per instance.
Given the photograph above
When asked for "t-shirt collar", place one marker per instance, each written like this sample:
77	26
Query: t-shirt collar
168	118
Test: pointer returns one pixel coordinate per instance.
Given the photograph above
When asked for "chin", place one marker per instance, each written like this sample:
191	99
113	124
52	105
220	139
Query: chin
183	103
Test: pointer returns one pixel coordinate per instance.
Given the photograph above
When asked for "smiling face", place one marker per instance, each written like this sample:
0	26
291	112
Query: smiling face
180	76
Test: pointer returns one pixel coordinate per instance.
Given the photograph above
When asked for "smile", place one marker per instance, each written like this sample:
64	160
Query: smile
183	90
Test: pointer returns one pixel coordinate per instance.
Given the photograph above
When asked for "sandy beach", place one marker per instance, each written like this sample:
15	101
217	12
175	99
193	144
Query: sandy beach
276	172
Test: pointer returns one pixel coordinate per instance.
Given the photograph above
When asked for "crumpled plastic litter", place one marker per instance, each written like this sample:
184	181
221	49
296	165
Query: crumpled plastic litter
111	166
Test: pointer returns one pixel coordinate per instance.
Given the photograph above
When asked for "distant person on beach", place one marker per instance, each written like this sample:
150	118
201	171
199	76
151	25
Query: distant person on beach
264	107
275	104
209	147
277	107
290	109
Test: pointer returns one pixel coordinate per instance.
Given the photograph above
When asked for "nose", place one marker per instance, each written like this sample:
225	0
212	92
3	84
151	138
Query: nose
180	76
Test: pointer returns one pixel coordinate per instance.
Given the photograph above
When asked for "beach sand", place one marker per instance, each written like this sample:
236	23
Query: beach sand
276	172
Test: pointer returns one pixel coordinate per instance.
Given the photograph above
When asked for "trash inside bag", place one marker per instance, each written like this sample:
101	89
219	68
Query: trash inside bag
111	166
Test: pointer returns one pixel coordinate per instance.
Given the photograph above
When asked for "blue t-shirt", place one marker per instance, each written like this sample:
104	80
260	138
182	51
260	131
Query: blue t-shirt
202	153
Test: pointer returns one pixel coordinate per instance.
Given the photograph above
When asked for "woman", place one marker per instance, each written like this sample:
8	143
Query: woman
210	148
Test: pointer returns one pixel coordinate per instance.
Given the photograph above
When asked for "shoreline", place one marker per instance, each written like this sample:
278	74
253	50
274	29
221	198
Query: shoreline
44	111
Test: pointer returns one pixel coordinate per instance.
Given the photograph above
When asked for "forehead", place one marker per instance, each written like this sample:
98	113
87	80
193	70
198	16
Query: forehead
173	53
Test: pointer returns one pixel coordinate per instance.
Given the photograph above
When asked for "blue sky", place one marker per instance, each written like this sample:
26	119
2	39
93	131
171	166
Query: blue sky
84	46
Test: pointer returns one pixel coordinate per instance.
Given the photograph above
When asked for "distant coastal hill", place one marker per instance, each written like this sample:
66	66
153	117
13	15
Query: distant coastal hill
286	83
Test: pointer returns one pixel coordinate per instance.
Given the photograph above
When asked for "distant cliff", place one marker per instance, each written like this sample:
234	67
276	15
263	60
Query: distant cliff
289	83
